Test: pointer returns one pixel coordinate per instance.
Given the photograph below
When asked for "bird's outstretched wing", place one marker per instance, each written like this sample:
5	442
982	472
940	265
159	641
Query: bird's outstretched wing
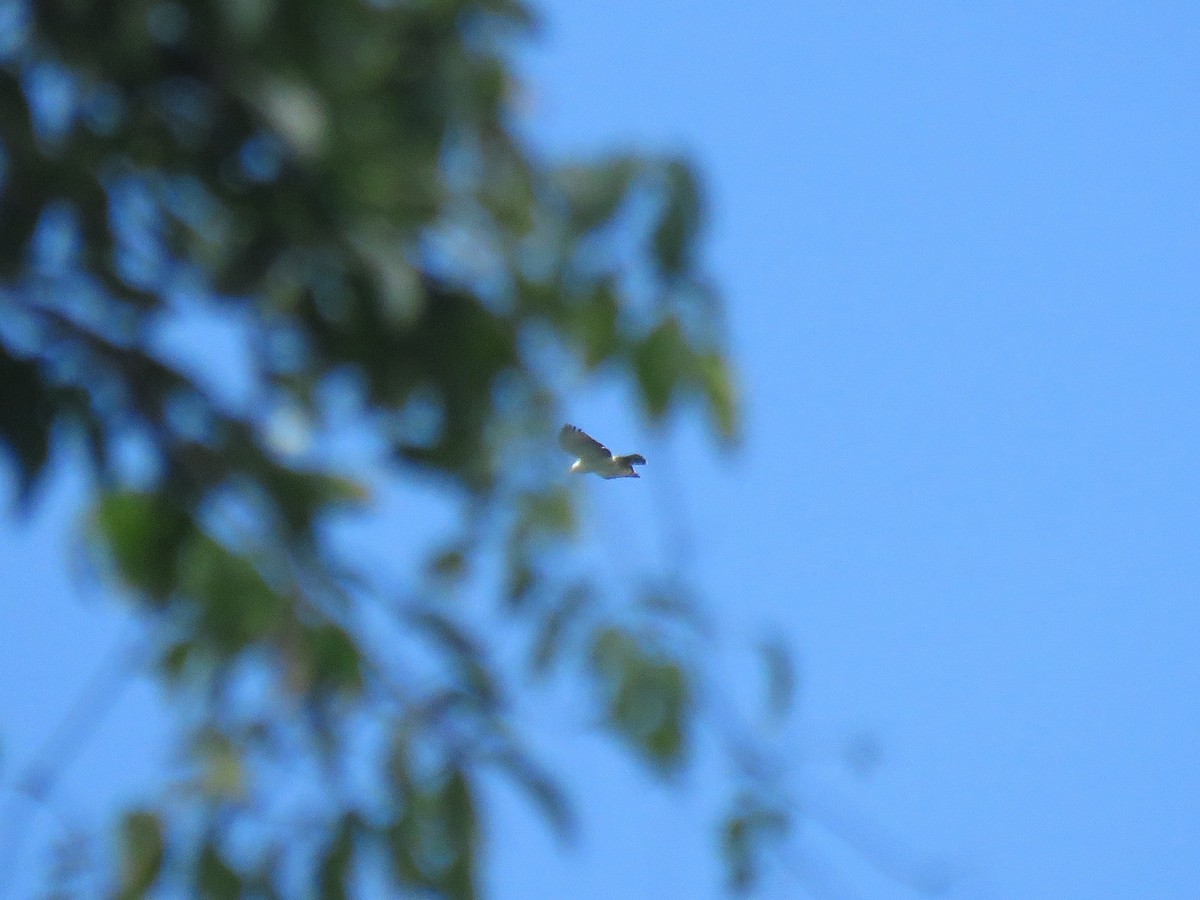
633	459
576	441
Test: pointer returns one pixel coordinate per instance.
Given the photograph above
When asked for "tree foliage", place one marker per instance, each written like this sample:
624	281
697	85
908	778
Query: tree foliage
347	182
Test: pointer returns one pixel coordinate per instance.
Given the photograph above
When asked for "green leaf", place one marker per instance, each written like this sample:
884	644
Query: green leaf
675	234
215	878
337	663
237	606
647	696
144	533
663	360
596	324
461	829
595	192
434	841
173	662
337	866
299	496
143	849
27	411
720	392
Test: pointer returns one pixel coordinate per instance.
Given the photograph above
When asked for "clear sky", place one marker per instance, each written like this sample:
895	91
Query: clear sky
960	247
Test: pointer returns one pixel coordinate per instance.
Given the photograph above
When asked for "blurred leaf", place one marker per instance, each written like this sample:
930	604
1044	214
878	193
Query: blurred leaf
447	633
222	775
542	789
717	386
143	848
662	361
595	192
746	832
144	532
675	234
521	581
237	607
177	658
433	842
301	495
461	829
547	513
672	603
555	625
466	654
781	676
337	663
449	564
648	698
596	324
27	411
336	868
215	878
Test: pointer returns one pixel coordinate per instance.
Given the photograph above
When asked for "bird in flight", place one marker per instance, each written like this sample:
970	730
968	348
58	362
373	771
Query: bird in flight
593	456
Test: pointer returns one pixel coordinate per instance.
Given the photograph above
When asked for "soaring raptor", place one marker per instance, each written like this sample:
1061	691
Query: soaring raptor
593	456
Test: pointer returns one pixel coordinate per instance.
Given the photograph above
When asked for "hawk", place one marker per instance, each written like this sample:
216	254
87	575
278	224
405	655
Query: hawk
593	456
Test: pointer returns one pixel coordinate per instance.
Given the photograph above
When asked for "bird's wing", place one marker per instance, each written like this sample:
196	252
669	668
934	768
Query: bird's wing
573	440
633	459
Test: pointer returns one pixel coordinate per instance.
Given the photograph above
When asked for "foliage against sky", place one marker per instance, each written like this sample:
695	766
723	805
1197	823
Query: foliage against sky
347	182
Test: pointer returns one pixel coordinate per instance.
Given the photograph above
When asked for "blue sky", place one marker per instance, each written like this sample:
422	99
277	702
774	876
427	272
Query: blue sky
959	245
959	249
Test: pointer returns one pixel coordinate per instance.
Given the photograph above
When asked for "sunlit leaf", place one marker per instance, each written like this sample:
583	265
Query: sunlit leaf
548	513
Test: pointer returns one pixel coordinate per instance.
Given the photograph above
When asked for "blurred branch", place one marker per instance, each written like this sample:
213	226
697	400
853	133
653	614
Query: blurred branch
37	785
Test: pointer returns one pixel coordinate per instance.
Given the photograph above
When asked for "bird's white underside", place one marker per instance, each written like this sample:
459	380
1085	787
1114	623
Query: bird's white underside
606	468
